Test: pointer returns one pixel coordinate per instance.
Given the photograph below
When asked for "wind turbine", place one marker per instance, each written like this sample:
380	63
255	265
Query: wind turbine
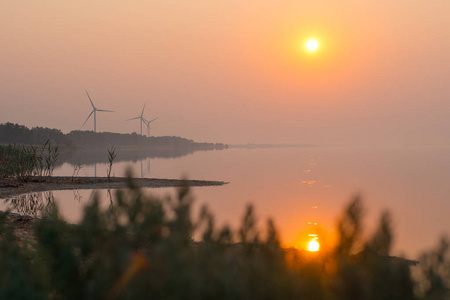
139	117
94	111
148	125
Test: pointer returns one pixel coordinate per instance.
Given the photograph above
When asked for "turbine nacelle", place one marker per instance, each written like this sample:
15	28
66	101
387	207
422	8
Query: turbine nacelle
94	111
148	125
141	117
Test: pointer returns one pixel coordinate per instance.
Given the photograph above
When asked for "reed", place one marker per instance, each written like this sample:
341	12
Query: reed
23	162
111	156
50	154
17	161
76	169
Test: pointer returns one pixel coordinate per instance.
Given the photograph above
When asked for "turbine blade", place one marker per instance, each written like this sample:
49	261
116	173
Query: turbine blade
153	120
88	118
105	110
133	119
143	109
90	99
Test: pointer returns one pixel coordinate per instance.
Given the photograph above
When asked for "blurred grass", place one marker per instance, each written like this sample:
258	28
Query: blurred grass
141	248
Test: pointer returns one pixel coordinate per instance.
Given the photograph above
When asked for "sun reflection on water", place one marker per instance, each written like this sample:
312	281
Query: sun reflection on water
314	245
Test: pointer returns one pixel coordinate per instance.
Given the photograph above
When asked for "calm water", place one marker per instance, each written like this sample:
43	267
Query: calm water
299	187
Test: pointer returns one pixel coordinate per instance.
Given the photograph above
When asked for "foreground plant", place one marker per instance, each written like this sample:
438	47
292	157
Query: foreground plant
111	156
50	154
142	248
76	169
18	162
22	162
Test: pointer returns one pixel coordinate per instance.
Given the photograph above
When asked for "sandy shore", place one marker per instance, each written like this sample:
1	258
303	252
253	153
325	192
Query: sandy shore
12	187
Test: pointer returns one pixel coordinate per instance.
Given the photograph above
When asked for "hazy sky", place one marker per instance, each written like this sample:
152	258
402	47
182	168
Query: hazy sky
232	71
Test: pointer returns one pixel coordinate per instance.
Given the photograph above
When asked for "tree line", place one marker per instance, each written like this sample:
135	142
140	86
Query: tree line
18	134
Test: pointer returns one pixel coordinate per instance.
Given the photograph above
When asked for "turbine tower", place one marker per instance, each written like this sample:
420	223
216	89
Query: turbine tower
141	117
94	111
148	125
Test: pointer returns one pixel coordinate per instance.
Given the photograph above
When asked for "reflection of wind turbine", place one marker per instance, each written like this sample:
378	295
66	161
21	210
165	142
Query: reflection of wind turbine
141	117
148	125
94	111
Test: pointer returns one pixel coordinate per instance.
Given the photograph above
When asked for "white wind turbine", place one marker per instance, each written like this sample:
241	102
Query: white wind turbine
141	117
94	111
148	125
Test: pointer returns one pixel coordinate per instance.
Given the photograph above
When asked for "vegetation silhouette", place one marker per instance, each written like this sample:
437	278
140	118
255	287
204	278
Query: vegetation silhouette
23	162
111	156
141	247
86	147
19	134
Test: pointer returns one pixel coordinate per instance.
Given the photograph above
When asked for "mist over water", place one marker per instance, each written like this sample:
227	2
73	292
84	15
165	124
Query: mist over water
295	186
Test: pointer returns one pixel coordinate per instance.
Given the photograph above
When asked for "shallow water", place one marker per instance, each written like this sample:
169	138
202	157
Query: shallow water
299	187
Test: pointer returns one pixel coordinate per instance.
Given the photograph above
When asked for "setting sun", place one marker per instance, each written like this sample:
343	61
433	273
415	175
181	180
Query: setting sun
312	45
313	246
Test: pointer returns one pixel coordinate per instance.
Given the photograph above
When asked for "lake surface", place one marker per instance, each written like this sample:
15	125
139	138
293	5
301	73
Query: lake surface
301	188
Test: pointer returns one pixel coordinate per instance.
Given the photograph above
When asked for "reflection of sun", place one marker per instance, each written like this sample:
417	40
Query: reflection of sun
313	246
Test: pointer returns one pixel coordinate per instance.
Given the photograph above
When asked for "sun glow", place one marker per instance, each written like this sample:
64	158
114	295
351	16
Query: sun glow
312	45
313	246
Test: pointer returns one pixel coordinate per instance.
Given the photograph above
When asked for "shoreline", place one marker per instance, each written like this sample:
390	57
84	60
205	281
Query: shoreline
10	187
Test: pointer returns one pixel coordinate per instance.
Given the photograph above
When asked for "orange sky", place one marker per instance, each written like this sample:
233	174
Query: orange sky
232	71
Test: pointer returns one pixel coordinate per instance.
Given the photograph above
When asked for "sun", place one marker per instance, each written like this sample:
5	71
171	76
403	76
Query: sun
312	45
313	246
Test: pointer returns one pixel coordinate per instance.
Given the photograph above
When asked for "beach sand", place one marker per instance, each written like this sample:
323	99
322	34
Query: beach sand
10	187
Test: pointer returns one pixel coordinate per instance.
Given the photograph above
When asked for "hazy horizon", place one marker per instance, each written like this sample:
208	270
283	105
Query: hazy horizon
235	72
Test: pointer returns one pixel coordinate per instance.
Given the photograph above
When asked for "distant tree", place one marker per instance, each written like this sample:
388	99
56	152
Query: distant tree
14	133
